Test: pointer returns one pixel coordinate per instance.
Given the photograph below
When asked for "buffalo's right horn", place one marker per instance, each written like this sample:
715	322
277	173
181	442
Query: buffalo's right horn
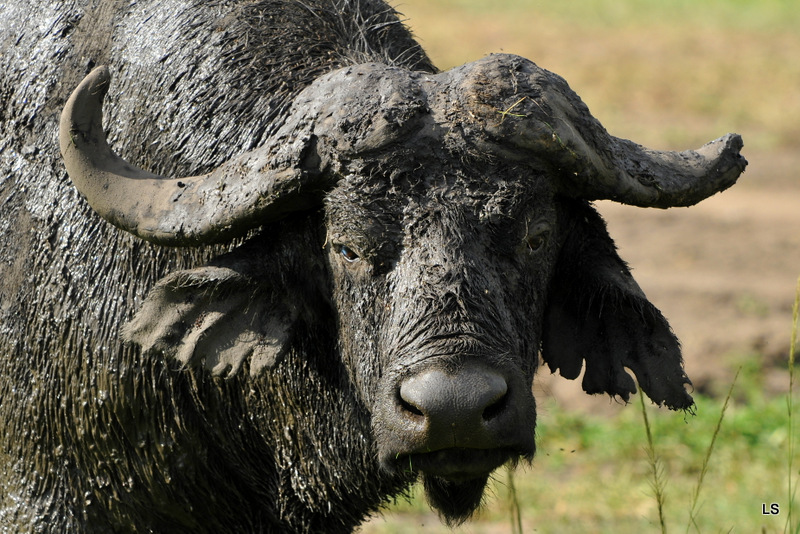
249	190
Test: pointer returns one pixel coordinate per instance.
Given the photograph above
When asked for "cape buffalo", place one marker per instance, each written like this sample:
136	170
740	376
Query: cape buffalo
336	276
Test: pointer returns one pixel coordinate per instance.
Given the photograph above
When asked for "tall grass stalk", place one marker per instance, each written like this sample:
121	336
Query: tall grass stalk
790	408
659	482
699	487
516	513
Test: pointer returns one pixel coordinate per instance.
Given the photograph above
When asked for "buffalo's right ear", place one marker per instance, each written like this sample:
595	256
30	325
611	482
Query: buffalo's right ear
240	310
216	317
596	313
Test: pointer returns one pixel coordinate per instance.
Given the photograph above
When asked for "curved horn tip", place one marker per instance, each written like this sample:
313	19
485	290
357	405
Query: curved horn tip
97	81
695	175
729	145
726	152
89	94
83	111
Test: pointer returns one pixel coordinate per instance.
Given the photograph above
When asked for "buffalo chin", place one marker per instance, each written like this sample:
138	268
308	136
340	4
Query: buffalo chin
455	479
454	500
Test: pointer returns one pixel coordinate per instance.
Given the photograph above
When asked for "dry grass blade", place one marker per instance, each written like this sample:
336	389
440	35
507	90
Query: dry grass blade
790	409
659	482
707	458
516	512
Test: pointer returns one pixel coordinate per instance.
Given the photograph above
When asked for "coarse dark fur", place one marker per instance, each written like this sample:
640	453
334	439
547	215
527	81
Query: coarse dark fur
96	438
460	258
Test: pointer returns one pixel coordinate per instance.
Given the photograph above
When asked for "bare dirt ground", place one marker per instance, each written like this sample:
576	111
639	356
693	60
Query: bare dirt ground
723	272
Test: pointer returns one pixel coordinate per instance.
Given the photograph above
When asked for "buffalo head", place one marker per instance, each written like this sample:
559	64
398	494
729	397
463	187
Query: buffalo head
459	245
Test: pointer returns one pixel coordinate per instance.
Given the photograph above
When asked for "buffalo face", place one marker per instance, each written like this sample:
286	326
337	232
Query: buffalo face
440	277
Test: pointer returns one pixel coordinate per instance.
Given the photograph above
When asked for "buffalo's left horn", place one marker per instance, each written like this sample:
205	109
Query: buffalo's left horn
592	164
623	171
241	194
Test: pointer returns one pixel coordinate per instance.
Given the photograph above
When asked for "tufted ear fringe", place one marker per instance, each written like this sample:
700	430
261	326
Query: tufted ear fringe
598	316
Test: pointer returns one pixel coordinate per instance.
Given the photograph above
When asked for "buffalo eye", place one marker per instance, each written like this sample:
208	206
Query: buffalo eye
534	242
348	254
538	237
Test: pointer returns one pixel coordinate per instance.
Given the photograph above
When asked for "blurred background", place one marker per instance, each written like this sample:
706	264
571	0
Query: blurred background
668	74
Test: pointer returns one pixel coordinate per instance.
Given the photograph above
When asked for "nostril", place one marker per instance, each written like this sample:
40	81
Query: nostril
408	407
495	409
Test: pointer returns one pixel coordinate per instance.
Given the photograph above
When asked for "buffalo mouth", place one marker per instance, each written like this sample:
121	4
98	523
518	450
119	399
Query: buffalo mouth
456	464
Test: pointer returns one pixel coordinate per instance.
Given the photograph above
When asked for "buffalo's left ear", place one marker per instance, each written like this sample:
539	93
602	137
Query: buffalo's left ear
597	313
